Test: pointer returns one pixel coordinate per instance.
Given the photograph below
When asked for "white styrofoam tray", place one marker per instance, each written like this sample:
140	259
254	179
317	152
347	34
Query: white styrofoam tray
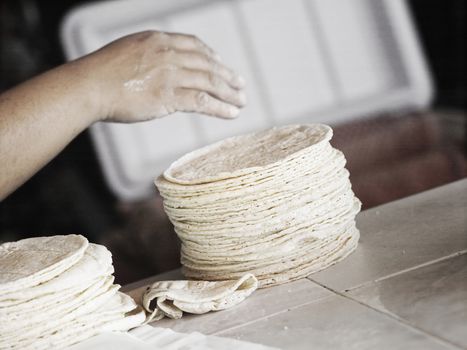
304	60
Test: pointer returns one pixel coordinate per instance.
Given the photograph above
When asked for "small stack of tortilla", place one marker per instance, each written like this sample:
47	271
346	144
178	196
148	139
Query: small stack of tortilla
277	204
56	291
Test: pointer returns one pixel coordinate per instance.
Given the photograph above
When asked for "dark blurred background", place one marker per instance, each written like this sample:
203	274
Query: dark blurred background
402	156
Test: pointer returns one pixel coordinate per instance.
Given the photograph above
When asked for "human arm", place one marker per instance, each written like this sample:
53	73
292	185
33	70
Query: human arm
143	76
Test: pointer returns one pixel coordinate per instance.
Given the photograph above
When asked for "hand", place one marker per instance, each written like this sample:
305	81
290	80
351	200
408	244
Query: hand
152	74
139	77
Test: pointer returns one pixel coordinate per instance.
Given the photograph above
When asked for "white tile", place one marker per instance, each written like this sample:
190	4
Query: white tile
216	25
334	323
122	141
289	57
108	34
357	49
432	298
167	137
156	143
261	303
402	235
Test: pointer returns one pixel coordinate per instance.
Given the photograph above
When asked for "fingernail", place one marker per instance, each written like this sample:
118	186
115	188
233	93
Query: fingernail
239	81
233	111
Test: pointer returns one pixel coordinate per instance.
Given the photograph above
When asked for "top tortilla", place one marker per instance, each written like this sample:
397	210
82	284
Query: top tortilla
95	263
241	155
32	261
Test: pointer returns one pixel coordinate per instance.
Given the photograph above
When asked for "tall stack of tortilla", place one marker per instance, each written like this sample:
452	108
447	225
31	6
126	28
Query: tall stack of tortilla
56	291
277	204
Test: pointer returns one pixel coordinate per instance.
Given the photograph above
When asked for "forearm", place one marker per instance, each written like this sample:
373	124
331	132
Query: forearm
139	77
39	118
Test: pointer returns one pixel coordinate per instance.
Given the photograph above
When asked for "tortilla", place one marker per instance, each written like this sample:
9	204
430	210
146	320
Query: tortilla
120	313
96	262
196	297
32	261
277	204
246	154
59	290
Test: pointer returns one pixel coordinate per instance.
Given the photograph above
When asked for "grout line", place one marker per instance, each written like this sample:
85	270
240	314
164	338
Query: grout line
428	263
271	315
319	299
409	269
350	298
396	318
391	315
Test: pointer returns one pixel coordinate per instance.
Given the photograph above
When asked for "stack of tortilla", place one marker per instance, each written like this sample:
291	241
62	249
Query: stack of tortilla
277	204
56	291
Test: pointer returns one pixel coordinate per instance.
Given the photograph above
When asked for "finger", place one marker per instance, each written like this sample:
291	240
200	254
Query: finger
211	83
187	42
189	100
200	61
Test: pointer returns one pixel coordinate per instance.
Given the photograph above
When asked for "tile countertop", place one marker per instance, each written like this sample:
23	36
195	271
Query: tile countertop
405	287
